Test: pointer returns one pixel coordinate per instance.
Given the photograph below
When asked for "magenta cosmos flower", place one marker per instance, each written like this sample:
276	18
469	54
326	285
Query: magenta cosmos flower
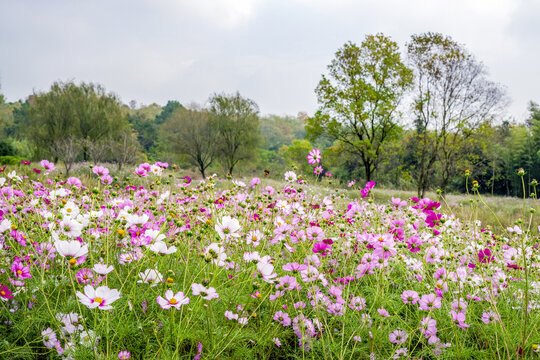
49	166
4	292
172	300
100	297
314	157
124	355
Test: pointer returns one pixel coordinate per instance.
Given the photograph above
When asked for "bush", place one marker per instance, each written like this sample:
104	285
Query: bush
10	160
6	149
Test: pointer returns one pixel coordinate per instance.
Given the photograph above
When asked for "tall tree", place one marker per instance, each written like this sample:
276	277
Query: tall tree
453	97
84	112
190	132
359	98
236	120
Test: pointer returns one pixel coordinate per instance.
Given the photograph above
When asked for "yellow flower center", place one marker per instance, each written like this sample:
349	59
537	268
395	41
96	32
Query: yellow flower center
68	210
19	272
121	232
173	301
98	300
170	280
2	293
72	261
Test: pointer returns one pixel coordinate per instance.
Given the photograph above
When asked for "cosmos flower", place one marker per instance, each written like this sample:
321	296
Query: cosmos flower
314	157
101	297
207	294
71	249
172	300
228	227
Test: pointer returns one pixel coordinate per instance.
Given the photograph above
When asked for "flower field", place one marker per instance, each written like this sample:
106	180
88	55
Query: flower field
152	265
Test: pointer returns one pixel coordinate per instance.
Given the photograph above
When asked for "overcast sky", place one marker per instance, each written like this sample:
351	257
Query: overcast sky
272	51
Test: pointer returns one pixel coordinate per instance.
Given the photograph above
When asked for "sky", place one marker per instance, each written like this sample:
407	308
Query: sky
271	51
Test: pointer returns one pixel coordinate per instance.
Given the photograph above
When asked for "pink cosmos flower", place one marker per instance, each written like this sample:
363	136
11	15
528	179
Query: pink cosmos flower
49	338
318	170
5	293
429	302
383	312
100	297
84	276
20	270
398	337
49	166
73	181
172	300
351	183
459	319
410	297
100	170
124	355
207	294
314	157
283	318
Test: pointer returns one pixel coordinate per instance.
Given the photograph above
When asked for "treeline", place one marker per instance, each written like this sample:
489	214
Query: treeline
418	121
72	123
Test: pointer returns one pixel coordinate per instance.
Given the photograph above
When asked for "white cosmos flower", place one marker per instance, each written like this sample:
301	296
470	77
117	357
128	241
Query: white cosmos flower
72	249
2	181
154	235
290	176
70	210
13	176
216	253
70	227
101	297
102	269
5	225
150	276
228	227
161	248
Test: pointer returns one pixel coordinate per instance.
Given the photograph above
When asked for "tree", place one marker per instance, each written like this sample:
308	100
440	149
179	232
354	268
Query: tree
236	120
85	112
359	99
452	99
190	132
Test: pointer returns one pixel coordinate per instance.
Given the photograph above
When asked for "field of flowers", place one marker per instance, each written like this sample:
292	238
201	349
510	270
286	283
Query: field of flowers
155	266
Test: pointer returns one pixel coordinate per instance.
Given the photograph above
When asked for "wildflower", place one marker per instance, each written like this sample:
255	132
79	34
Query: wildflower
5	294
318	170
314	157
160	247
71	249
290	176
20	271
459	319
124	354
228	227
49	338
283	318
383	312
489	317
230	315
398	337
172	300
150	276
100	297
351	183
429	302
102	269
207	294
410	297
484	256
84	276
49	166
277	342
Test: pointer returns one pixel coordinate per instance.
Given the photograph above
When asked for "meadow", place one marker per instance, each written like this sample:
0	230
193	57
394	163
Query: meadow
150	264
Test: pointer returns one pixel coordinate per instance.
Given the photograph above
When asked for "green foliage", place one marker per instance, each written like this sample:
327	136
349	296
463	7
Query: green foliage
359	98
236	120
190	132
10	160
6	149
85	113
